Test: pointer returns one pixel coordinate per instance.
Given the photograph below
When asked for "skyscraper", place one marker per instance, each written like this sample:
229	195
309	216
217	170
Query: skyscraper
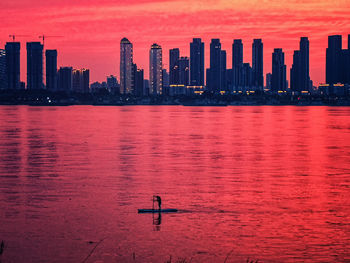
184	71
223	69
3	76
237	62
65	79
345	77
155	69
34	65
174	73
13	64
300	71
246	76
81	80
51	69
268	80
333	59
279	79
214	80
294	72
258	63
197	62
304	64
139	82
126	63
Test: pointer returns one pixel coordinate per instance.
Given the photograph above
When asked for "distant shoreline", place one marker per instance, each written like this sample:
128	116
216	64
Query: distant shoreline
193	105
105	98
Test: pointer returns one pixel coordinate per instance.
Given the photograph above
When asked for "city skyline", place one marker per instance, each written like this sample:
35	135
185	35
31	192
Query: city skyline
97	27
218	76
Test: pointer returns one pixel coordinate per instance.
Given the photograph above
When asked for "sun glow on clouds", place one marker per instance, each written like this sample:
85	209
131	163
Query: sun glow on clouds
92	29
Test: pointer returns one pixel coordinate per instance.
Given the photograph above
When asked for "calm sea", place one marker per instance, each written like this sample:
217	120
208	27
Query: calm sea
266	183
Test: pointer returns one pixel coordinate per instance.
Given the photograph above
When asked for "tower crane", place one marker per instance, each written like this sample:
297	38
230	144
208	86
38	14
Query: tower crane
43	37
13	36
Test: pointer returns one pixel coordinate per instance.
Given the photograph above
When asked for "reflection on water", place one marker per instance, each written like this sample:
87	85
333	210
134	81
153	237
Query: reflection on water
267	183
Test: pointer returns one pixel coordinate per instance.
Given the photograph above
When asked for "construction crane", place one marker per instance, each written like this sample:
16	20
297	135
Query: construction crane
45	36
14	36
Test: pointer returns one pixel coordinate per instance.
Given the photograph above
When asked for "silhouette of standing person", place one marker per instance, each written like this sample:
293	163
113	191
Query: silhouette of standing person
159	200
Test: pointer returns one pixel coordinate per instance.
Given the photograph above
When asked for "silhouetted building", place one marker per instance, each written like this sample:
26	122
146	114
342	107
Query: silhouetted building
229	77
112	84
3	76
294	72
139	82
51	69
215	73
81	80
126	64
34	65
65	79
156	69
279	79
345	64
165	78
268	80
247	76
13	66
258	63
223	69
333	59
184	71
237	62
146	87
300	72
174	71
197	62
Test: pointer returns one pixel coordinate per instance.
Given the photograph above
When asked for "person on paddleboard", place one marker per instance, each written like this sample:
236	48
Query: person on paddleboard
159	201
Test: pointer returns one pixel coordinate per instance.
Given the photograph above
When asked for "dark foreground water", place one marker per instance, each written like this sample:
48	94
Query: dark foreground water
267	183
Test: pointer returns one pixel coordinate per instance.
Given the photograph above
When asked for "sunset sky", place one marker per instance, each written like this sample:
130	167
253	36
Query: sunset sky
92	29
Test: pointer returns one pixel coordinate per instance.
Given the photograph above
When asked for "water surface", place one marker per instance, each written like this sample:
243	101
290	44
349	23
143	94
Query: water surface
267	183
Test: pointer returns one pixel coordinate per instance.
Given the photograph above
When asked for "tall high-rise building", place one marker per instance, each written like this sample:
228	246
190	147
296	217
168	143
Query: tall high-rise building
304	63
34	65
65	79
214	80
155	69
237	62
184	71
13	64
3	76
300	71
139	82
258	63
247	76
197	62
223	68
345	75
294	72
126	64
174	72
81	80
268	80
279	78
333	59
51	69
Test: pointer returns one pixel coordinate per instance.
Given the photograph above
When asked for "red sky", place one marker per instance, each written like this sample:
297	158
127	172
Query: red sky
92	29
